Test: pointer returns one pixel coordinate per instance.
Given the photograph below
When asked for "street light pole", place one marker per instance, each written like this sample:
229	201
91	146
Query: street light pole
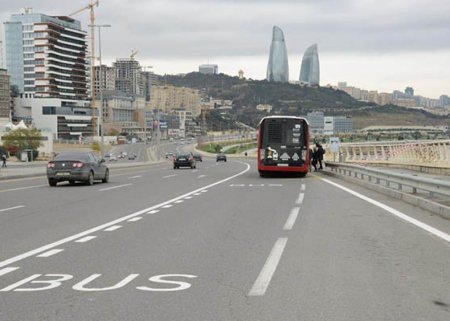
100	118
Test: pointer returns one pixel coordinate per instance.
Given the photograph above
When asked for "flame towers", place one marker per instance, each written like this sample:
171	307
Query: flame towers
310	70
278	68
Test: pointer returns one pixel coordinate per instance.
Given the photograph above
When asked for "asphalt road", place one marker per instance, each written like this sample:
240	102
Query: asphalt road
217	243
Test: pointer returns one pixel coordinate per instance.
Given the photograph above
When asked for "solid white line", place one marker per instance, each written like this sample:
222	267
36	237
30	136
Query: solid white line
50	253
135	219
153	212
137	176
419	224
112	228
86	239
291	219
116	221
8	270
269	268
167	206
11	208
114	187
303	187
300	198
21	188
173	175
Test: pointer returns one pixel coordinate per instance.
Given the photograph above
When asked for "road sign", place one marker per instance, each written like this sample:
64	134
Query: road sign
334	144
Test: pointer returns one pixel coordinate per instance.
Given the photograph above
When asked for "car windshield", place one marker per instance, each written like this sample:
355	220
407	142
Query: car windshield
72	156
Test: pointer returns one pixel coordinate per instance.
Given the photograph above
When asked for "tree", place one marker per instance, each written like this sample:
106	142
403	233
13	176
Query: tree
95	146
22	139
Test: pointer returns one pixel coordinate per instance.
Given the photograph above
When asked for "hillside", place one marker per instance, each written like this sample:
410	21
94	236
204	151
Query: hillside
291	99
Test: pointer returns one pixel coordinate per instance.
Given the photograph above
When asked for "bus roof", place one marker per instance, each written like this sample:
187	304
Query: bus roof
284	117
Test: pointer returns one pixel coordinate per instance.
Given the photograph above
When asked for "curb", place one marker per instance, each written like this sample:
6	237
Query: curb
436	208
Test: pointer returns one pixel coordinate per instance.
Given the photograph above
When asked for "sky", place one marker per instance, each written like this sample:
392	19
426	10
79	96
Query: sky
371	44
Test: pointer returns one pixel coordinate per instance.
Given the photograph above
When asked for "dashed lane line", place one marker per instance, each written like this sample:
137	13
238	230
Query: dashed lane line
8	270
262	282
20	188
135	219
168	176
167	206
86	239
50	253
201	176
300	198
104	226
12	208
153	212
112	228
291	219
137	176
114	187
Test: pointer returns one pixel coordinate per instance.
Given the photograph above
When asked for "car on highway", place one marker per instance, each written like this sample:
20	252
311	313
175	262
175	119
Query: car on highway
184	159
113	158
221	157
132	157
198	157
75	167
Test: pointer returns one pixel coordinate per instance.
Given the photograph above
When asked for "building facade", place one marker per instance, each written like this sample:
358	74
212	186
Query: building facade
5	98
46	56
316	122
208	69
310	70
168	98
278	66
128	76
337	125
105	78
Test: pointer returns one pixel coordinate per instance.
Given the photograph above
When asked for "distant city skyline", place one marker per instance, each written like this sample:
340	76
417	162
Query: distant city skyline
384	47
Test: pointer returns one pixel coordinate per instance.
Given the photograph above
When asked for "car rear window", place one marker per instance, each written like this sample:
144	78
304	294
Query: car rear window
72	156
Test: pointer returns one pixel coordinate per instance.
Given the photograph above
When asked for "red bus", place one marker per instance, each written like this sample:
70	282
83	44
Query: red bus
283	145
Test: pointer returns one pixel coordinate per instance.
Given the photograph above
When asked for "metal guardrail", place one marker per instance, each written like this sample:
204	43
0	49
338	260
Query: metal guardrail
393	180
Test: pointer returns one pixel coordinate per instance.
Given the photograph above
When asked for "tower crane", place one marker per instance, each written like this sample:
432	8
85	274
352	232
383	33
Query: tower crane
91	6
133	54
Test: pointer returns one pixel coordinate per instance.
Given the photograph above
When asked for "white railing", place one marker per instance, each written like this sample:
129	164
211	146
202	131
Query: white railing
435	153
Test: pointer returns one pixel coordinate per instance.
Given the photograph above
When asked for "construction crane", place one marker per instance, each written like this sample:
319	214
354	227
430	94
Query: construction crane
91	7
133	54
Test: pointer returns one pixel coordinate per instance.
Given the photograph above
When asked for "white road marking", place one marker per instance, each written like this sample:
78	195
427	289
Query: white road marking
8	270
201	176
137	176
300	198
256	185
409	219
71	238
153	212
167	206
197	194
303	188
275	185
86	239
269	268
291	219
11	208
114	187
20	188
112	228
135	219
50	253
188	197
237	185
179	201
204	191
173	175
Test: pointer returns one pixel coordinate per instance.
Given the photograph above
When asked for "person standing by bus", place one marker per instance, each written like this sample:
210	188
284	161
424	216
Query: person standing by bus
314	158
320	152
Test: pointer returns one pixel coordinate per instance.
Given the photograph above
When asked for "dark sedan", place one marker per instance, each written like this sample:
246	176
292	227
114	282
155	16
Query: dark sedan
184	160
198	157
221	157
77	166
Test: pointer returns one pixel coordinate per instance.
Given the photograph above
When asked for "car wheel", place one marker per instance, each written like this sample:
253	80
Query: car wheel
52	182
106	179
72	182
90	180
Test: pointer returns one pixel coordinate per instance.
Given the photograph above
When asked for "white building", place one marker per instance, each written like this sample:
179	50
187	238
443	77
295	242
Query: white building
208	69
337	125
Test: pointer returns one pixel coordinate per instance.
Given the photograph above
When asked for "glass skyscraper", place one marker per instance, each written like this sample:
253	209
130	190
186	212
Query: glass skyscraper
310	70
278	67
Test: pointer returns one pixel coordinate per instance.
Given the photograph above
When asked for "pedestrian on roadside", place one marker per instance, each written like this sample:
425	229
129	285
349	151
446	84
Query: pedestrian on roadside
4	161
320	152
314	158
